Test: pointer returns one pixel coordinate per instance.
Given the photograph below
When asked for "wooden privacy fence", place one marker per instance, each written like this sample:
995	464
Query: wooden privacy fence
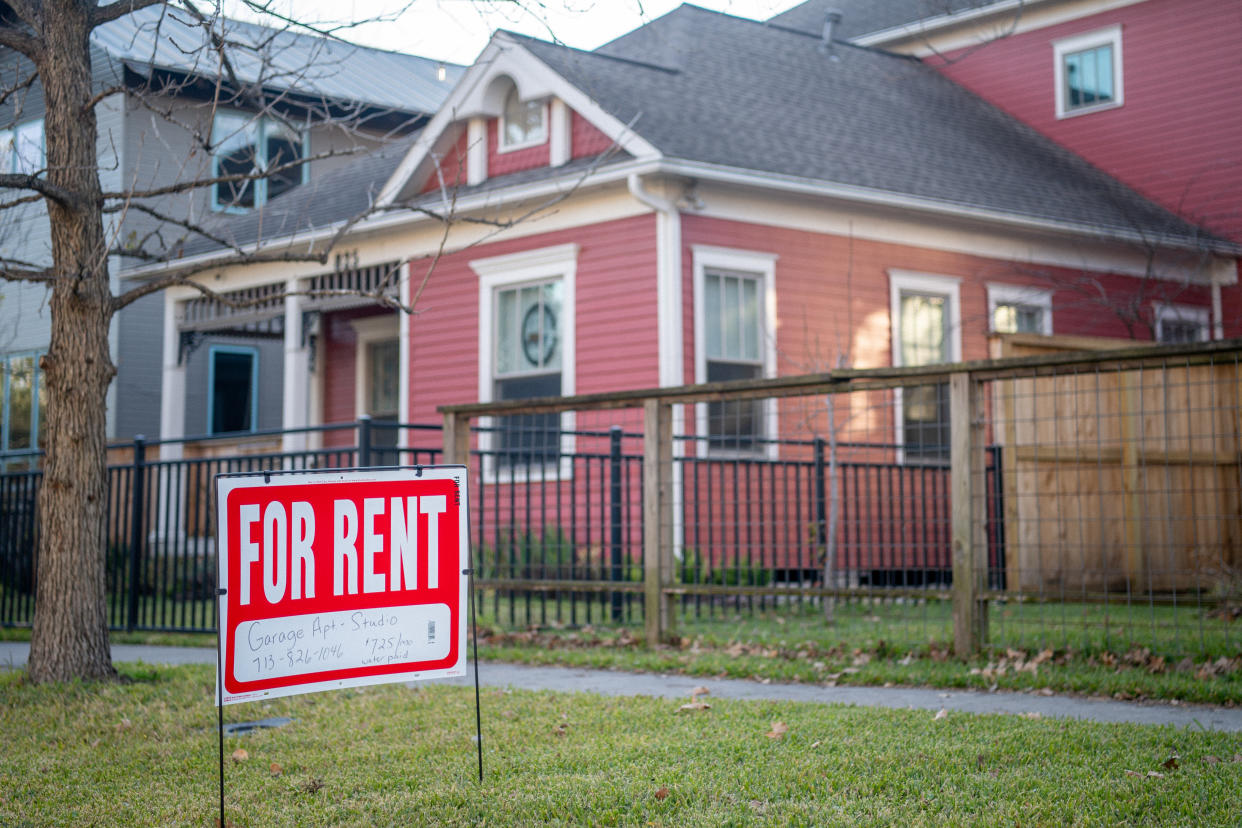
1107	476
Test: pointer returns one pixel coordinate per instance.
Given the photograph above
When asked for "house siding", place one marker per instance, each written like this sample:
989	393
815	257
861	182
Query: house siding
271	378
503	163
1175	138
585	139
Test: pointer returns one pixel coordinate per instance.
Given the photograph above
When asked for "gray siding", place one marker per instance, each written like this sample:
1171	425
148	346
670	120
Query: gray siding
139	368
271	379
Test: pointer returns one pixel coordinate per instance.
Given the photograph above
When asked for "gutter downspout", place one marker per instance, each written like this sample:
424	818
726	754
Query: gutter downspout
668	282
670	339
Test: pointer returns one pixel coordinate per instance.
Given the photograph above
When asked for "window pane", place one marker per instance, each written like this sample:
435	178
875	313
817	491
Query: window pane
712	315
1014	318
21	402
1073	80
1089	81
923	329
383	358
731	320
734	425
1089	77
750	319
232	391
507	345
283	146
1178	331
1104	73
526	439
925	421
551	325
523	121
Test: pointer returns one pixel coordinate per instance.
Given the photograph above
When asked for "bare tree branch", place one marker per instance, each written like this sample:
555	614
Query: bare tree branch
118	8
22	181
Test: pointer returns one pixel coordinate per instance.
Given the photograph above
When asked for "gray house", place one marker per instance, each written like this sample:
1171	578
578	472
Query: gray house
173	111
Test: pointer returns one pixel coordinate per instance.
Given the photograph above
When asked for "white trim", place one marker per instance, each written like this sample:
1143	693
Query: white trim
559	138
476	151
295	398
1002	294
1168	311
560	261
762	265
900	281
1107	36
943	34
504	57
368	330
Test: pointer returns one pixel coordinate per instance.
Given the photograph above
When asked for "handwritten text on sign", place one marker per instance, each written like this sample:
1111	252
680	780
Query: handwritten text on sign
337	579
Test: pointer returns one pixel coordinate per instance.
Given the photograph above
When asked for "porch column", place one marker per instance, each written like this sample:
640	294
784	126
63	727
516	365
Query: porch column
172	398
296	394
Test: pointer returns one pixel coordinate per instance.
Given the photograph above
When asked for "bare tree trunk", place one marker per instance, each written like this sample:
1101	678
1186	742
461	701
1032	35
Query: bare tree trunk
70	635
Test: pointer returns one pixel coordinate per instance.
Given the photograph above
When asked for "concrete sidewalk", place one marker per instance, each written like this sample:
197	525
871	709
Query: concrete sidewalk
609	683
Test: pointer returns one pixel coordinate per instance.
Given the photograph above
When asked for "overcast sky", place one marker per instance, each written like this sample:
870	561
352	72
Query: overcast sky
457	30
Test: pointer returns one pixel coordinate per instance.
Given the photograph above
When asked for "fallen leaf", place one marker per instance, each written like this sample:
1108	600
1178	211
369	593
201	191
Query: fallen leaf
1034	716
561	729
311	786
1134	773
694	706
979	760
1155	774
1170	763
699	691
778	731
1045	691
240	755
662	793
275	769
815	744
1211	760
942	714
124	724
907	661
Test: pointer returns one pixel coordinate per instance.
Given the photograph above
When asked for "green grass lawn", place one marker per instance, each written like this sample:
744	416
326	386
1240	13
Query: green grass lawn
144	753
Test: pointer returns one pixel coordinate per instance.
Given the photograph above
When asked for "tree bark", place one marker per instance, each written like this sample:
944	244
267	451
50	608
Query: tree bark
70	635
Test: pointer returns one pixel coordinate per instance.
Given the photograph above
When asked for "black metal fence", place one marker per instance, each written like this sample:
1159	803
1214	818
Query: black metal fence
574	515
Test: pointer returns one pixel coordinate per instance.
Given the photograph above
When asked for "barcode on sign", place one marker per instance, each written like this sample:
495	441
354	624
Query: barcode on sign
431	631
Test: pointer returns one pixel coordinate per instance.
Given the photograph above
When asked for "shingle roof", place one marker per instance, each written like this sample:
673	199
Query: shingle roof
861	17
746	95
163	37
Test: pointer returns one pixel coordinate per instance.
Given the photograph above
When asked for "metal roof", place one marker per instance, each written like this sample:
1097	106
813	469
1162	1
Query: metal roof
169	38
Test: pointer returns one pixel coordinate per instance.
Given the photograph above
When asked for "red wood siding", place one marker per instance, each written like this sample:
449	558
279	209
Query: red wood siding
503	163
453	166
585	139
1176	138
615	315
339	354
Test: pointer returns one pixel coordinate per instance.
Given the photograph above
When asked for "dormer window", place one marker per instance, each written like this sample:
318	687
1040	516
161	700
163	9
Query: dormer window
523	123
1088	72
247	145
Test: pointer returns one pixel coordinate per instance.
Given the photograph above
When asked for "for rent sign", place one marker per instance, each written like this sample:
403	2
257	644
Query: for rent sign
339	579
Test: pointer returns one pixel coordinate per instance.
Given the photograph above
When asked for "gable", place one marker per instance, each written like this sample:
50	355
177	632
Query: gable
576	126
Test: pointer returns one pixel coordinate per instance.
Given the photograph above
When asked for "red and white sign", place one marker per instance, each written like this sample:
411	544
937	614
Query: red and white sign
340	579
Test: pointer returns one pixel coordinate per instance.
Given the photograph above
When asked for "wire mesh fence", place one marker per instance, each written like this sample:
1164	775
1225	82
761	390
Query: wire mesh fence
1078	502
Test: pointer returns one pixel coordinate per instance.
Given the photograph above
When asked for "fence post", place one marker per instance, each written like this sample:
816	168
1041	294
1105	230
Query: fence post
137	491
456	436
821	500
657	519
614	515
969	490
364	441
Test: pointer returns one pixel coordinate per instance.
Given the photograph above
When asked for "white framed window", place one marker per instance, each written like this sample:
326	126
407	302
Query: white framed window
1178	324
249	144
522	123
734	339
232	389
22	148
1019	309
926	317
526	350
21	401
1087	72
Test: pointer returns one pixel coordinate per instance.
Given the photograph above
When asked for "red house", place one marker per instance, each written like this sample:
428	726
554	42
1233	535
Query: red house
711	198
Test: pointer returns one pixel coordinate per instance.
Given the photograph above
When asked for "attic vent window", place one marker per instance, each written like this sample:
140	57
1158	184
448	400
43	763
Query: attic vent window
1088	72
523	123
